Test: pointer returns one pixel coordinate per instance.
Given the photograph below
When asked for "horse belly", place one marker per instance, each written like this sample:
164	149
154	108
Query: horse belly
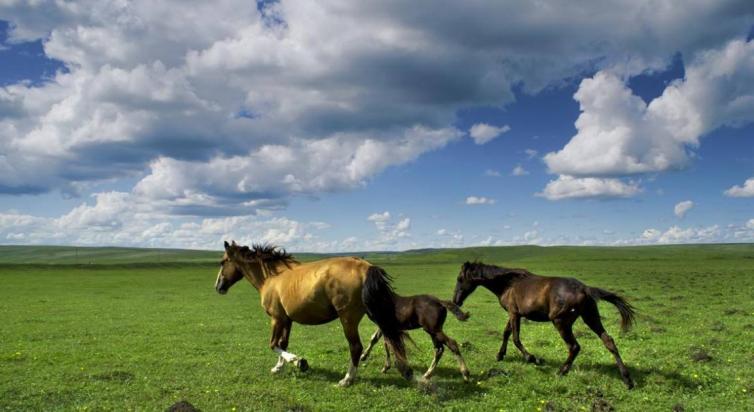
312	313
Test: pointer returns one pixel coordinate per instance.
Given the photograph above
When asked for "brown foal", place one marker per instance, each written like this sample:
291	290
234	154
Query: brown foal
429	313
541	299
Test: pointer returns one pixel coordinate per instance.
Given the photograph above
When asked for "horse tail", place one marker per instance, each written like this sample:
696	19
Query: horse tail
455	310
379	298
627	312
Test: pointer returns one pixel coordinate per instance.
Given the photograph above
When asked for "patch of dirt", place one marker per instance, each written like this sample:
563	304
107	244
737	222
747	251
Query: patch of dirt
678	408
601	405
733	311
114	376
699	354
182	406
717	327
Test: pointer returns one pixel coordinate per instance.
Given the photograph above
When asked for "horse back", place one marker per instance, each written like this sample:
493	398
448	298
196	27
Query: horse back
316	292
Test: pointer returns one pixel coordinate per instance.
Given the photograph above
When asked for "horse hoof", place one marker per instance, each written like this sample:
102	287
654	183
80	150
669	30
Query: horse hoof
302	364
500	357
630	384
385	369
533	359
363	358
276	369
345	382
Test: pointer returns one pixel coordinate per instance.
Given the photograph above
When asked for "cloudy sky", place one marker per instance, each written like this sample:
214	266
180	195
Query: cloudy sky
349	125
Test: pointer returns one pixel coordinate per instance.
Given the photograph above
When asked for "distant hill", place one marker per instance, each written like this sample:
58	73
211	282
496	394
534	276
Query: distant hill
71	255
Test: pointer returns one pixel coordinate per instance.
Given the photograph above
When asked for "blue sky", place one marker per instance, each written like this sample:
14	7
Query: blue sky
369	129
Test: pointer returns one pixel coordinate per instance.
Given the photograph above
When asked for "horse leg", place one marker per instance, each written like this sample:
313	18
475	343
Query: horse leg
453	346
373	341
351	330
591	317
506	336
565	327
439	349
515	322
387	359
281	330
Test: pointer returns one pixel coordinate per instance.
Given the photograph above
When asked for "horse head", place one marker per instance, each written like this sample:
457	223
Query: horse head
230	272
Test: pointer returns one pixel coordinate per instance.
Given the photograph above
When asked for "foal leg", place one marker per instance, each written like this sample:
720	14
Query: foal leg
453	346
565	327
515	321
387	359
506	336
351	330
373	341
591	317
439	349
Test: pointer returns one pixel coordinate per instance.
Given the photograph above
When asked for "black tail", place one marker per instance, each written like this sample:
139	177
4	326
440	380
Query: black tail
455	310
626	310
379	298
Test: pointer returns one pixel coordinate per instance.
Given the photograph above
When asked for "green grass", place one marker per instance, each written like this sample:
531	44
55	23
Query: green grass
120	329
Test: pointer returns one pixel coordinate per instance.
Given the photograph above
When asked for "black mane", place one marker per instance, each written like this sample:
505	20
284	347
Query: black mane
266	253
483	271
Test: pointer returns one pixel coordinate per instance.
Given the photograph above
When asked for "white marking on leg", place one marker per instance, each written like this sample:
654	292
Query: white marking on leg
278	366
289	357
350	376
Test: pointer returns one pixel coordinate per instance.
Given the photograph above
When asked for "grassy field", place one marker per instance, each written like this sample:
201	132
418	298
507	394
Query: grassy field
131	329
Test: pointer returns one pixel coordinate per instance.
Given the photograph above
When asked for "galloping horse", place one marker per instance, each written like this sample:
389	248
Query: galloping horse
542	299
315	293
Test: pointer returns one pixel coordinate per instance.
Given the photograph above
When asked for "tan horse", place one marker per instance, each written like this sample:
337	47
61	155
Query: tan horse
315	293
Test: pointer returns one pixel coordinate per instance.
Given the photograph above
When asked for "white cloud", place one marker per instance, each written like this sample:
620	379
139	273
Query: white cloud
531	153
148	81
619	134
682	208
519	171
483	133
568	187
389	231
492	173
747	190
479	200
750	224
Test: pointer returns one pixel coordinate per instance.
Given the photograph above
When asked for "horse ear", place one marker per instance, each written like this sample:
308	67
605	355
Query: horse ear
227	246
233	243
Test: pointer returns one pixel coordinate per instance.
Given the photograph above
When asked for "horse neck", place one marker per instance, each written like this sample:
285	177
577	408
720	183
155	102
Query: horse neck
254	274
498	280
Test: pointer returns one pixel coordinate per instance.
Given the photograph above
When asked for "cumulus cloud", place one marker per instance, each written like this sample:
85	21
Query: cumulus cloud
152	86
568	187
747	190
681	208
483	133
479	200
676	234
519	171
619	134
389	229
116	218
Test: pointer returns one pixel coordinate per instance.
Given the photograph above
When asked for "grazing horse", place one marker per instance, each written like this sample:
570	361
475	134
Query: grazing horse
315	293
541	299
429	313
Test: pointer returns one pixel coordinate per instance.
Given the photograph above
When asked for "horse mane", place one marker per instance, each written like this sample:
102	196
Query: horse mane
483	271
266	253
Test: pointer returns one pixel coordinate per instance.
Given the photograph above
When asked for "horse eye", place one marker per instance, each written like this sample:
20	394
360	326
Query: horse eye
222	262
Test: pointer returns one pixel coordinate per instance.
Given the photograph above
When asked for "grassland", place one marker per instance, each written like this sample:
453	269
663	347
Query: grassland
133	329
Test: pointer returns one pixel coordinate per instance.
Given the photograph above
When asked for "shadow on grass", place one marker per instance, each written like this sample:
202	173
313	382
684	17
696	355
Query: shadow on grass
447	381
639	375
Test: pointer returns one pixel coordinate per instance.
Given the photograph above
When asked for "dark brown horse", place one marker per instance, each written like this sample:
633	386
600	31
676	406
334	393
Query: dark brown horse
541	299
429	313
